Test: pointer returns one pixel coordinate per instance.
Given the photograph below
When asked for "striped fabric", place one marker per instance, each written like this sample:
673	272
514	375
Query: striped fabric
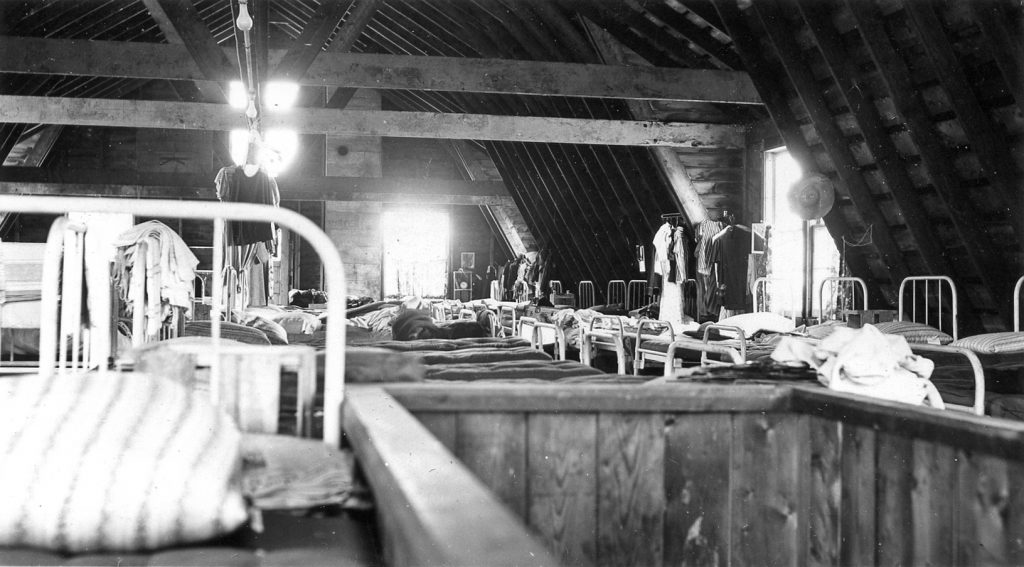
915	332
114	461
705	231
993	343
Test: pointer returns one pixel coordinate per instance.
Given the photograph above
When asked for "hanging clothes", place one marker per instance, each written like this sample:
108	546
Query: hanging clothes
707	283
670	251
730	251
234	186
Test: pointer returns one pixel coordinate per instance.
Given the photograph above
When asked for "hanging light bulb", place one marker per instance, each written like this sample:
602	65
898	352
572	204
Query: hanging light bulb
244	21
250	110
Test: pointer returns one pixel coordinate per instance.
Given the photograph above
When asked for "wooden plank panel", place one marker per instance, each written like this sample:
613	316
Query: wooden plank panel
562	469
697	449
631	490
769	465
982	505
932	500
395	450
857	509
894	483
493	446
444	426
1015	509
826	490
221	117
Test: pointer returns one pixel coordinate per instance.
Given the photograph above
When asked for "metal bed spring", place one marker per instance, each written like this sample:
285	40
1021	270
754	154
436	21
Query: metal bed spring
939	280
334	269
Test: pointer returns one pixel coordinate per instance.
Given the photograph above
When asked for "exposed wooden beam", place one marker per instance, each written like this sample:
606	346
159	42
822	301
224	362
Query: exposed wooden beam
379	71
699	36
35	181
832	138
675	171
219	117
767	79
182	26
353	27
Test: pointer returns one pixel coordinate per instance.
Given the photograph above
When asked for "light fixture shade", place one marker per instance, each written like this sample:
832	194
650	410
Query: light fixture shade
279	149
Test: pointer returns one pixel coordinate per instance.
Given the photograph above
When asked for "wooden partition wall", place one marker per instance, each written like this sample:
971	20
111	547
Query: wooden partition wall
737	475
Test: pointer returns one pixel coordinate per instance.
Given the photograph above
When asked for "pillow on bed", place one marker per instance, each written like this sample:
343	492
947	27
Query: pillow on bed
754	322
915	332
275	333
109	461
297	321
993	343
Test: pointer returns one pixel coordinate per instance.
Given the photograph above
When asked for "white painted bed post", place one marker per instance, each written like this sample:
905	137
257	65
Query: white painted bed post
334	269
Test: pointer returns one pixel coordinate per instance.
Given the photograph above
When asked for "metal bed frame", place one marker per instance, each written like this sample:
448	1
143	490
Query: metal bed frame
847	283
534	331
616	292
603	339
635	292
927	280
334	271
586	294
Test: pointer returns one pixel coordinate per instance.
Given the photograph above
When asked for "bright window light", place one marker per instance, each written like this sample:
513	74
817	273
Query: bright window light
281	95
239	144
279	149
237	97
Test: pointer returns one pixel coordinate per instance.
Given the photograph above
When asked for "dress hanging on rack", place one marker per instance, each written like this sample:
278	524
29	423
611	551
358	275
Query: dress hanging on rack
707	284
248	244
671	263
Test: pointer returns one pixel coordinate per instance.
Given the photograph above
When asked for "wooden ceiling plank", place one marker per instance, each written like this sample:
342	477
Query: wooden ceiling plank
457	74
203	116
640	35
705	10
699	36
181	25
832	138
567	32
992	151
843	71
353	26
767	79
937	160
1006	49
537	215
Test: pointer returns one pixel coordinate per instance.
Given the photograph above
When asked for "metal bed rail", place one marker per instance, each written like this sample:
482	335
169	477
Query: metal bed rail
604	339
586	294
845	283
978	408
642	355
705	348
927	280
539	333
616	292
636	290
334	269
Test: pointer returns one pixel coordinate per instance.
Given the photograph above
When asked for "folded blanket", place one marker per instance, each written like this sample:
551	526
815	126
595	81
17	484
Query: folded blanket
484	355
281	472
452	344
552	370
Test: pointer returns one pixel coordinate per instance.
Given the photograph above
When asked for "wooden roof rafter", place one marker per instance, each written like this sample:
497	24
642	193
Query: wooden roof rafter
977	124
937	160
767	77
848	172
887	158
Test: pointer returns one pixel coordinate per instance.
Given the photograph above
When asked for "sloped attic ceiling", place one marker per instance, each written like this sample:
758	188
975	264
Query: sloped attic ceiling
588	203
912	107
